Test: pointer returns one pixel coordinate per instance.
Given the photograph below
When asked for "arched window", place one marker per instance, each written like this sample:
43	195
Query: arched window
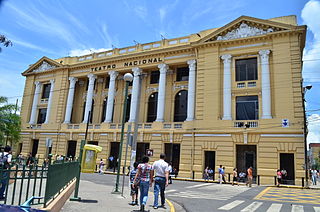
180	106
104	107
128	108
152	107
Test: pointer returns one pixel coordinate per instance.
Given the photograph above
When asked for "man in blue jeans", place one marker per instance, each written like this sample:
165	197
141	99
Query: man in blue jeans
161	170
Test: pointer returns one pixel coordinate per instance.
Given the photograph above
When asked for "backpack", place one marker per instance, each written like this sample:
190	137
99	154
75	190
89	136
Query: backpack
4	161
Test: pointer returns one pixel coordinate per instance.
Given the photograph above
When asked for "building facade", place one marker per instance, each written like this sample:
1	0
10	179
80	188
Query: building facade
314	157
228	95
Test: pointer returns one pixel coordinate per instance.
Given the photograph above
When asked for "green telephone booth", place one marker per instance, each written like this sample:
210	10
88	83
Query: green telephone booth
89	158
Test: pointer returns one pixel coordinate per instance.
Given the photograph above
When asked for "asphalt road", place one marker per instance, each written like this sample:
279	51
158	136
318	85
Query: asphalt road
197	196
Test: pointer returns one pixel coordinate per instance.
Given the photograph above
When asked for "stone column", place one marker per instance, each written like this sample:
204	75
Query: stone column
162	92
35	103
191	90
88	107
111	93
67	118
226	87
135	91
265	84
49	102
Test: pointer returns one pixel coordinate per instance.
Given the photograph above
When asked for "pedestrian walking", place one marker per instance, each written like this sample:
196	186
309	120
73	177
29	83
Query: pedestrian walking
235	177
5	161
314	175
101	165
220	171
134	185
161	180
111	158
249	177
283	176
145	174
223	175
279	177
206	174
210	173
170	173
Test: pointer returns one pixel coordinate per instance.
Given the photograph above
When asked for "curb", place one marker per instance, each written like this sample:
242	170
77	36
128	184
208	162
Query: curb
172	209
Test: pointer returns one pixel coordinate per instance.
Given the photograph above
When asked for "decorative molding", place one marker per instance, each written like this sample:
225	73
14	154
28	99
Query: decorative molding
79	71
244	46
211	135
44	76
243	31
156	135
179	87
44	67
179	56
282	135
151	90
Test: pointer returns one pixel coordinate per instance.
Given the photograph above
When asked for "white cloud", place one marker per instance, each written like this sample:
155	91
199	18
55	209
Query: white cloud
141	11
314	128
80	52
33	19
311	16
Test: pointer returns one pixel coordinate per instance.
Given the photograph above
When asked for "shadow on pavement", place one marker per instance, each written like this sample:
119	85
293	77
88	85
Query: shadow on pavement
89	201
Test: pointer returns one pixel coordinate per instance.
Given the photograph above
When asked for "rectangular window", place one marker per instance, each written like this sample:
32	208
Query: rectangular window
42	115
107	82
246	69
46	91
183	74
247	108
154	77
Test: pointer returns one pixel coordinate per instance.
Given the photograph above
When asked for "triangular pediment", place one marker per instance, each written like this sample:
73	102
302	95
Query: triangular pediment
42	65
244	27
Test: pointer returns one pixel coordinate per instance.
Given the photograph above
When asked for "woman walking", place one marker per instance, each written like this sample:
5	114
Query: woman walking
235	177
145	174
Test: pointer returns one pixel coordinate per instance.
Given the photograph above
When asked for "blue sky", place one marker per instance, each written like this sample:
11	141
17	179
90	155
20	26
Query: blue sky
58	28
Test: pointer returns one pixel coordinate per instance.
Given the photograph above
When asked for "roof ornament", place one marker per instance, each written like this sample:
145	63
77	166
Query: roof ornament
44	67
244	31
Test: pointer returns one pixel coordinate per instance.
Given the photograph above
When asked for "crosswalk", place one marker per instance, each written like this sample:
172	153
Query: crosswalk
208	192
239	205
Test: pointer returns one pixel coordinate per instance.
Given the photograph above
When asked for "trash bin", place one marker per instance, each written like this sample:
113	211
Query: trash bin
89	158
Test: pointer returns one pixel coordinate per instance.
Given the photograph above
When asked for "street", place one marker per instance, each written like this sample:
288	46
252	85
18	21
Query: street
198	196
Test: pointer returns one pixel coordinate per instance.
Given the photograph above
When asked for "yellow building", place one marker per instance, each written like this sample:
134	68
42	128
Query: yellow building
228	95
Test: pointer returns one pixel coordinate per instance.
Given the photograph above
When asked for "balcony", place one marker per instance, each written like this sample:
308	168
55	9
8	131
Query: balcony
246	124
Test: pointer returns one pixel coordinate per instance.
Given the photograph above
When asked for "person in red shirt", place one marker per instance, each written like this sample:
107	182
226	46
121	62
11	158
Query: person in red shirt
250	176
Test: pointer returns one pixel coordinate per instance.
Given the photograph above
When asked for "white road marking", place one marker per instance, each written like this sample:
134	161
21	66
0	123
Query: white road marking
297	208
169	191
231	205
275	207
252	207
199	185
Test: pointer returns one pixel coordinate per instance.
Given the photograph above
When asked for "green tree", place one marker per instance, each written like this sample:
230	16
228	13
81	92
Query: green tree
9	123
5	41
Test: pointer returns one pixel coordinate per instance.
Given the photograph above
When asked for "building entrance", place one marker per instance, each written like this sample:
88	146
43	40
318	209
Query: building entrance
35	144
287	163
247	157
141	151
172	152
210	159
114	152
72	147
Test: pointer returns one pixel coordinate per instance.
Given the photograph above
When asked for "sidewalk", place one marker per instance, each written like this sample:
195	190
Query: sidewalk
97	197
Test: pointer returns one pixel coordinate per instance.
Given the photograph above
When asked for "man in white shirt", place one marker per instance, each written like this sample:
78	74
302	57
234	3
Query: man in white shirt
161	170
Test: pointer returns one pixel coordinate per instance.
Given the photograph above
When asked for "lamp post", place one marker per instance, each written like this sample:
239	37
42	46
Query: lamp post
127	78
305	130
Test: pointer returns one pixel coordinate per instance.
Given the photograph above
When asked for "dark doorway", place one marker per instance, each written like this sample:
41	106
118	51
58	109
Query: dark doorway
19	150
141	150
72	148
35	144
287	163
247	157
172	152
93	142
114	152
210	159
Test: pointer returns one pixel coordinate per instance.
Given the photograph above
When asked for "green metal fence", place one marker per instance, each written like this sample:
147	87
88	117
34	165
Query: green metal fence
46	180
60	175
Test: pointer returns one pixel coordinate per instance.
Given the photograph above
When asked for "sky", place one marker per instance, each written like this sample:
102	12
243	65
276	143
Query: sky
59	28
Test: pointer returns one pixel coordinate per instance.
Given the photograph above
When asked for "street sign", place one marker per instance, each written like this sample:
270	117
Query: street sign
285	122
149	152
